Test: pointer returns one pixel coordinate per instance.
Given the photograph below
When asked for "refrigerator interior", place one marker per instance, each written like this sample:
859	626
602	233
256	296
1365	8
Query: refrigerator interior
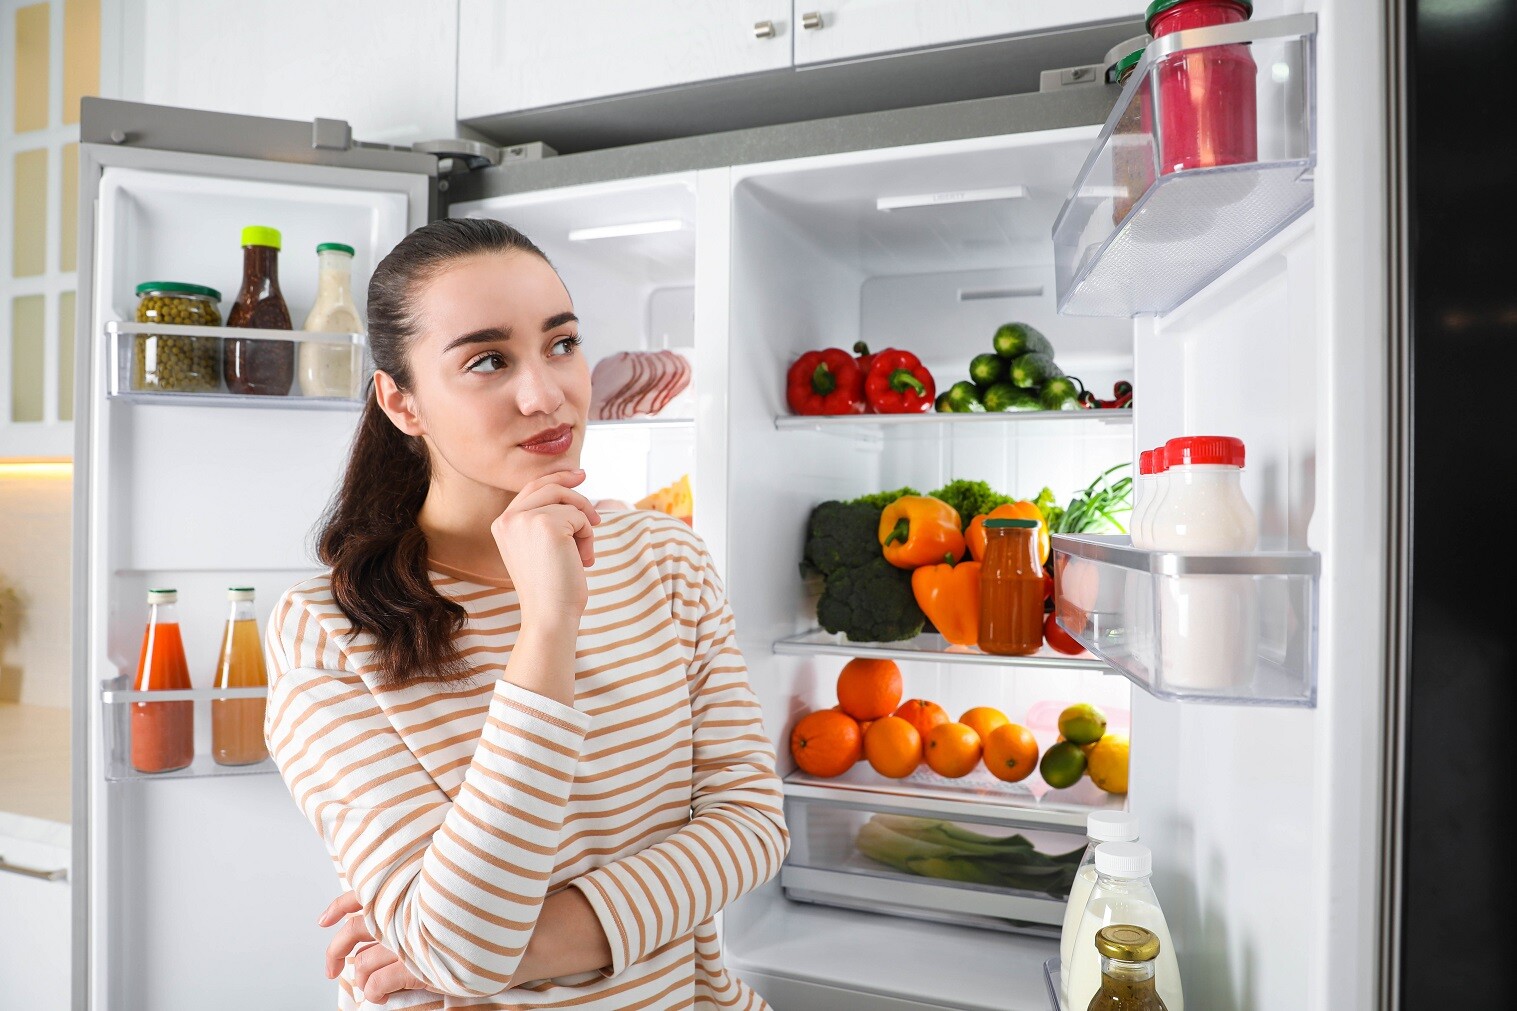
817	262
633	292
200	875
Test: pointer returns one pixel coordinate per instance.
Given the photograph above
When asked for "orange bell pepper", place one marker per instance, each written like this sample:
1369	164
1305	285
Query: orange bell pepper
917	530
1023	510
950	597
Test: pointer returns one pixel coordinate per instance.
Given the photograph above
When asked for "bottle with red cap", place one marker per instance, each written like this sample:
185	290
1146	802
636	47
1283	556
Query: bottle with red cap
1208	624
1144	495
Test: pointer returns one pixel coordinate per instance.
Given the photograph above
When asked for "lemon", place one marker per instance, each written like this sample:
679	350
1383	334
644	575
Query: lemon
1063	764
1082	723
1107	763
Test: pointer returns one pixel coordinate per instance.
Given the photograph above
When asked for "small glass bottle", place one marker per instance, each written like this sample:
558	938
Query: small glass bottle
1123	893
237	724
1100	827
332	370
163	733
1127	970
1011	589
259	367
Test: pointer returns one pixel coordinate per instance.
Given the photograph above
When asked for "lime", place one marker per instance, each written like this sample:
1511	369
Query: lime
1063	764
1107	763
1082	723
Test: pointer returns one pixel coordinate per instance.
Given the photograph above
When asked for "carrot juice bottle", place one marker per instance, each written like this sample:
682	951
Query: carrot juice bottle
237	724
1011	589
163	733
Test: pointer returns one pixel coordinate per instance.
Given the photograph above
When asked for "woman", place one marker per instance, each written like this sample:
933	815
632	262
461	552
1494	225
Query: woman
523	730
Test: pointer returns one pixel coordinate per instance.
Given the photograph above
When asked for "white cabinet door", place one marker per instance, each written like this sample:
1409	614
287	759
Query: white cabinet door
34	927
849	29
531	54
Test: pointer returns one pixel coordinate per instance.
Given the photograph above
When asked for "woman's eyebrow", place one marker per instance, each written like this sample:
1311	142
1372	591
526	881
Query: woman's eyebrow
559	319
488	335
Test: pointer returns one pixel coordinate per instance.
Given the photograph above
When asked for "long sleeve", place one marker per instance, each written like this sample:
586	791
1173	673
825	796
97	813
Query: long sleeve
453	886
736	837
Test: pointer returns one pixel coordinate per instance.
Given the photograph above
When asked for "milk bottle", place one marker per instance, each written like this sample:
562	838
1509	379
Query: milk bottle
1123	893
1100	827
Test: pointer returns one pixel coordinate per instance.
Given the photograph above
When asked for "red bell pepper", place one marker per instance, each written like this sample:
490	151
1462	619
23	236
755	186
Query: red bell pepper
898	384
825	382
865	358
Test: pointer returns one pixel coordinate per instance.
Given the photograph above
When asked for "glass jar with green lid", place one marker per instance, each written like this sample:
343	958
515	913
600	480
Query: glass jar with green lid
177	363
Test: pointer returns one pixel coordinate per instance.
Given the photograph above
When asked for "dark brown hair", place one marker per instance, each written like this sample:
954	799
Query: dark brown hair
368	535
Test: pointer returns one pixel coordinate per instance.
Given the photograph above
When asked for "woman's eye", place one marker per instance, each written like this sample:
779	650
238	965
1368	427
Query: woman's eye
566	346
497	363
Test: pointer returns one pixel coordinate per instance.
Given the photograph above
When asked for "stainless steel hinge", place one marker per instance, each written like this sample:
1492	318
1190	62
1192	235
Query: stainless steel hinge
459	154
1071	77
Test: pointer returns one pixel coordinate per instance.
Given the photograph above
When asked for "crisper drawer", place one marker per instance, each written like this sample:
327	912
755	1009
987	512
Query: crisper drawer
866	857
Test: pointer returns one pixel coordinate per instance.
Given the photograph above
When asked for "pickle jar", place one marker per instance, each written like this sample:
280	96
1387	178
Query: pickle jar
172	362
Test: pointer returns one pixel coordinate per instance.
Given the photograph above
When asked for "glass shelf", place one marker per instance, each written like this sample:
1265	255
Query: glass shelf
128	341
118	701
876	426
1232	628
1051	969
925	648
635	424
1142	231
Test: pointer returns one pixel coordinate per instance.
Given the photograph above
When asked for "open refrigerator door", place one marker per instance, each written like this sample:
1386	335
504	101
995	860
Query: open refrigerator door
184	880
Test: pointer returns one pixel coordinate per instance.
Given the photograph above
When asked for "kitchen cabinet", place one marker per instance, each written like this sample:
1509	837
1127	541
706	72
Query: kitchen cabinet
34	934
832	30
527	54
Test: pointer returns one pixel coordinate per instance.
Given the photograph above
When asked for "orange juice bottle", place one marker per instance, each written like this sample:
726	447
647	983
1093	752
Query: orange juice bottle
163	733
237	724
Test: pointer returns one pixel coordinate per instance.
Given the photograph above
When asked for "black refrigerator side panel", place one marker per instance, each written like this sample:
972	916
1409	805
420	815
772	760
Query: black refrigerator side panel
1462	204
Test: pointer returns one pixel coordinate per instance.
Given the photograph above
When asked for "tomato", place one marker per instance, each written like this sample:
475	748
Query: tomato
1047	586
1058	638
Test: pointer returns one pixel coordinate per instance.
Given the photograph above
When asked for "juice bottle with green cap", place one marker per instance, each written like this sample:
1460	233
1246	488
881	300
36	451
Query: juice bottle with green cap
332	369
163	733
237	724
259	367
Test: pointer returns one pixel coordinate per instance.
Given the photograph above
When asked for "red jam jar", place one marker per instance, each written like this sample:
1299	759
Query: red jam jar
1207	106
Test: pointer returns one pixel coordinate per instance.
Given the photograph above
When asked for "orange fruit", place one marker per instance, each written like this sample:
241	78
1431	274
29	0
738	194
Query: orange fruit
983	719
952	750
826	743
893	747
864	726
869	689
923	715
1011	752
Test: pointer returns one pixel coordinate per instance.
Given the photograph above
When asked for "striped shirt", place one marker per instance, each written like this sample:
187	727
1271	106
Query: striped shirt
454	810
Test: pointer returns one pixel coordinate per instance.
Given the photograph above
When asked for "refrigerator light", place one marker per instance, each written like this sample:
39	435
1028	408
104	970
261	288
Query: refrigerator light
36	467
950	197
979	294
619	231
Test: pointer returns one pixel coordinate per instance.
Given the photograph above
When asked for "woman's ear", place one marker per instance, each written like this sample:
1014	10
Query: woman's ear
397	404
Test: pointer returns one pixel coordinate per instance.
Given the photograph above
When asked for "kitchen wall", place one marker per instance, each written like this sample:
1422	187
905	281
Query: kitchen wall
35	514
385	66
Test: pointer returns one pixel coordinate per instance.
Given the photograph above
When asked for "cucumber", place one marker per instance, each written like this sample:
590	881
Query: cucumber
1010	397
987	369
1031	371
1014	339
1060	393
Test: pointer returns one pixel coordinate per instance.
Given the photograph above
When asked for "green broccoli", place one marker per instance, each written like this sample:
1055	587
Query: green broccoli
881	499
841	535
970	498
870	603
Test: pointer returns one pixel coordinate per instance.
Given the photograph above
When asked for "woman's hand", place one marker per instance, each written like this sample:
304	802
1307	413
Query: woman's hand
378	971
547	540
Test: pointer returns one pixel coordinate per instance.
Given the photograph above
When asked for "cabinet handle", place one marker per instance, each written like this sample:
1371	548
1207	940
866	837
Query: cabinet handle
31	872
763	29
811	20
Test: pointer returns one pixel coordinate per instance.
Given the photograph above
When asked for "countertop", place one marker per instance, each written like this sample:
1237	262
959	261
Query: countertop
34	769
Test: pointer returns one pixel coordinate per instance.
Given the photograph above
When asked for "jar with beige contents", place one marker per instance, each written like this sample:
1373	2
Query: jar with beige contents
331	369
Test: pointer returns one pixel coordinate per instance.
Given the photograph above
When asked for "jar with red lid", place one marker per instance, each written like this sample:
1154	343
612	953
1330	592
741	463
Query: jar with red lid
1207	103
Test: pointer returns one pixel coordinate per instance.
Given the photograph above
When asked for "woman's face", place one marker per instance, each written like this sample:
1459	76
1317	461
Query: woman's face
499	388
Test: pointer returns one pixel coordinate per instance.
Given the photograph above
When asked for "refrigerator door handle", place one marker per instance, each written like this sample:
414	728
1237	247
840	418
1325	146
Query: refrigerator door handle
31	872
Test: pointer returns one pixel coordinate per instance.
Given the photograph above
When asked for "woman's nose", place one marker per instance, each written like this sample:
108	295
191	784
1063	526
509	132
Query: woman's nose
537	391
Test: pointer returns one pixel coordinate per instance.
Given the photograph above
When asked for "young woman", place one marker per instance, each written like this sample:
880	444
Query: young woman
523	729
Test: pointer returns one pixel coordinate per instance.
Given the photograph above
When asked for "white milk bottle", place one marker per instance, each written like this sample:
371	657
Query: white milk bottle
1208	623
1143	497
1100	827
1123	893
1143	526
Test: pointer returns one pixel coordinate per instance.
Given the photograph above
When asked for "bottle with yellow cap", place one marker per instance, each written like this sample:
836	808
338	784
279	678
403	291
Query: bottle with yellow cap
1127	970
259	367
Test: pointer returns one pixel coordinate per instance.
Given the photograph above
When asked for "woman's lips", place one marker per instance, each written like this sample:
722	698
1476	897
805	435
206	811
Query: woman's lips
553	442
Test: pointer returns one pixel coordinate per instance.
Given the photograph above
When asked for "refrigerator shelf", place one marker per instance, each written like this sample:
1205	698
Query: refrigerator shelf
633	424
977	797
826	865
1051	980
117	700
876	426
1133	239
925	648
1239	628
123	348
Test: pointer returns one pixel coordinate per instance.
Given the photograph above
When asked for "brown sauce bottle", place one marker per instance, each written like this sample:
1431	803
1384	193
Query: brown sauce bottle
259	367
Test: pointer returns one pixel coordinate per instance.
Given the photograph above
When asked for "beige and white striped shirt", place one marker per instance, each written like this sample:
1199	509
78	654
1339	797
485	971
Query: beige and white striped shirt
453	810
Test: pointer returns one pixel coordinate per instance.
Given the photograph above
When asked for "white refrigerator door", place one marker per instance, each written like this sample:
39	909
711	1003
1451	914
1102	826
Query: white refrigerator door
202	886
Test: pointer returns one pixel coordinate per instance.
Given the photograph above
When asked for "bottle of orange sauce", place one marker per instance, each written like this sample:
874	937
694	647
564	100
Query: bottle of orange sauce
163	733
237	724
1011	589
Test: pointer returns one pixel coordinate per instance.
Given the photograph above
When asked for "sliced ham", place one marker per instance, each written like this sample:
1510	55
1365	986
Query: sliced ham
637	383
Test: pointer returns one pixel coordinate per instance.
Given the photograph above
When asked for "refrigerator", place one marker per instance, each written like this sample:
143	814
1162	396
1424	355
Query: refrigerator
1260	317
